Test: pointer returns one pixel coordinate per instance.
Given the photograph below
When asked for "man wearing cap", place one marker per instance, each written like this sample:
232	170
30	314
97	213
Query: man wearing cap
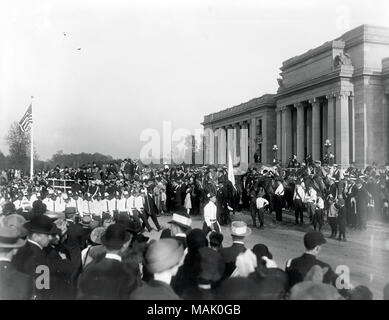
87	205
239	230
163	258
297	268
310	200
108	278
210	215
14	285
41	230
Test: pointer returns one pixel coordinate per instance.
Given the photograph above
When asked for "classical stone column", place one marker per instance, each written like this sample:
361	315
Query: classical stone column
237	140
308	126
279	132
315	129
222	146
300	132
331	121
209	146
244	144
342	131
352	128
230	142
286	134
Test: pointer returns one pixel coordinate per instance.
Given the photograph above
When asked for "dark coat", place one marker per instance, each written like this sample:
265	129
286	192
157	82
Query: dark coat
298	268
106	279
14	285
154	290
61	272
27	259
229	256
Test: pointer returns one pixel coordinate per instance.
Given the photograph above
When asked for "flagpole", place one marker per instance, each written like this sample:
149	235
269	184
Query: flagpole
32	146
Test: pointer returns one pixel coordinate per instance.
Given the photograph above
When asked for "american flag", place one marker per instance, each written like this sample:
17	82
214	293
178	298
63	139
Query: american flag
26	120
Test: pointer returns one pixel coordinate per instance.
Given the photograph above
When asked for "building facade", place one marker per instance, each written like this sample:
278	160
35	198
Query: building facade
339	92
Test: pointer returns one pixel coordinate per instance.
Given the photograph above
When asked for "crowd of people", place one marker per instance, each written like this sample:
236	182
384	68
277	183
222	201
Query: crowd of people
91	227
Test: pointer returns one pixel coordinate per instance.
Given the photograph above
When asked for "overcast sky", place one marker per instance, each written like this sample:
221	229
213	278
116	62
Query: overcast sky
142	62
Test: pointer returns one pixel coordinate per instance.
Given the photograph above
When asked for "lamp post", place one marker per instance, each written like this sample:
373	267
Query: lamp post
327	145
275	151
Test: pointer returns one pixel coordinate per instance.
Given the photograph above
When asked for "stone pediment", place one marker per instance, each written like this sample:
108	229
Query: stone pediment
315	64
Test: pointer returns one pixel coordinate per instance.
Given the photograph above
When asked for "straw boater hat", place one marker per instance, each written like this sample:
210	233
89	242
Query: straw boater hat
240	229
9	238
182	220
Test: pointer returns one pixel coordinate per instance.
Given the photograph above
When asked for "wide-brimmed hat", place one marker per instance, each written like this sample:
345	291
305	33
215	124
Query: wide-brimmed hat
41	224
163	255
240	229
10	238
55	215
182	220
96	235
86	221
115	236
16	221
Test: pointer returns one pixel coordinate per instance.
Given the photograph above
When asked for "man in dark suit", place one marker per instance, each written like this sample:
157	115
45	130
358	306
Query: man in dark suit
32	259
298	268
14	285
362	199
108	278
239	231
150	208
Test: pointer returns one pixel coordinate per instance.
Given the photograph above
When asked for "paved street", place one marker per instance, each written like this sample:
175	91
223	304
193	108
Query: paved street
365	253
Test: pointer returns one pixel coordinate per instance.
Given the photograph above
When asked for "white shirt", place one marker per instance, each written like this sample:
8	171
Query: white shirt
138	202
299	193
50	204
124	204
311	196
87	207
332	211
97	207
261	202
320	203
18	204
209	213
113	204
280	190
113	256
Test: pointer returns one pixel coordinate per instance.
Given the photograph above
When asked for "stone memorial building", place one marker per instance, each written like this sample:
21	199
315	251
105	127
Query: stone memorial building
338	91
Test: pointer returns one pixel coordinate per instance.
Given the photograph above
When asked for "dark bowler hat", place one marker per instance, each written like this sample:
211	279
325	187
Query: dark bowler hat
9	238
115	236
313	239
41	224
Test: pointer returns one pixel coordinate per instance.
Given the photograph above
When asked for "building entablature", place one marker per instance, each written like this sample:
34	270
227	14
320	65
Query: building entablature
242	111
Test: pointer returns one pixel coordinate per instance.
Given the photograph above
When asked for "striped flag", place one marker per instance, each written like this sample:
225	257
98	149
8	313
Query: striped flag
26	120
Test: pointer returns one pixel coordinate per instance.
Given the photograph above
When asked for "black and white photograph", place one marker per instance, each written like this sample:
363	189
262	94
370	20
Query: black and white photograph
199	150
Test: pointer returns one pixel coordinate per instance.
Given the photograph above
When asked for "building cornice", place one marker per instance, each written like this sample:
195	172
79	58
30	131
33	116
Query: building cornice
264	102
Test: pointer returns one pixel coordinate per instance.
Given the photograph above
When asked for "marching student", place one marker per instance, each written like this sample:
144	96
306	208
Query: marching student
261	204
210	218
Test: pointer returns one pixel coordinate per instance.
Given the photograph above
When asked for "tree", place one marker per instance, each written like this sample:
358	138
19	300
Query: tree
3	161
19	145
